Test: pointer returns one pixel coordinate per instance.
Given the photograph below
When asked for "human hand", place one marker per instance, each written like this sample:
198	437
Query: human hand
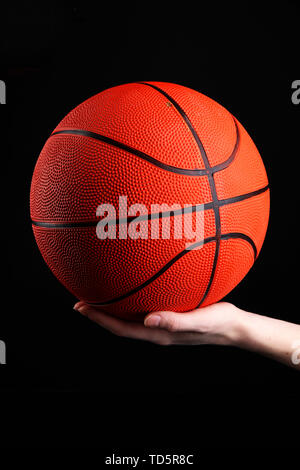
221	323
215	324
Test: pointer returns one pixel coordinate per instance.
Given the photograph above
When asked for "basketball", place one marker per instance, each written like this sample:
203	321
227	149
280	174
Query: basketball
149	196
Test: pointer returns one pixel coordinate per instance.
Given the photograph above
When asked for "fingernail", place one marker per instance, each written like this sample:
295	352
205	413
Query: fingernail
153	321
78	308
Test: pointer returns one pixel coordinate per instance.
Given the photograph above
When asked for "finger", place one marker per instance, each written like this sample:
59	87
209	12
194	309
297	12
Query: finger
78	305
115	325
172	321
191	338
123	328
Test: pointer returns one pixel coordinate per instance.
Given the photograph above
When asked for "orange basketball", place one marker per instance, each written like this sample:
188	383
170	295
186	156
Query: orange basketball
149	144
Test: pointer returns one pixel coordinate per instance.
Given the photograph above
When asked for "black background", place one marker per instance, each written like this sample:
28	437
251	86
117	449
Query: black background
54	55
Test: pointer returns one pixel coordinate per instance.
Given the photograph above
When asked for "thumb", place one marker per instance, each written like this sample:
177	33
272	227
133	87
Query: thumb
173	321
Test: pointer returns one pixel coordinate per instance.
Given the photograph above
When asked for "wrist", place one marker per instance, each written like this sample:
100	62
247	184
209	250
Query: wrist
236	331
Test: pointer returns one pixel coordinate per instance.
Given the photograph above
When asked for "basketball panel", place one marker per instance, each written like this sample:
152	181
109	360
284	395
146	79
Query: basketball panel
136	115
96	270
249	217
245	174
235	258
75	174
179	289
214	124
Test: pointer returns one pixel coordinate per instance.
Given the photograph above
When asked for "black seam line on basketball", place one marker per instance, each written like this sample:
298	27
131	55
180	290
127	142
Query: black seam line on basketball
138	153
152	160
181	111
226	236
226	163
91	223
210	177
195	208
124	220
242	197
142	218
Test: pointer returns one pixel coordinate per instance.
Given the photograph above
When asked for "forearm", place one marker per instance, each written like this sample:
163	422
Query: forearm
274	338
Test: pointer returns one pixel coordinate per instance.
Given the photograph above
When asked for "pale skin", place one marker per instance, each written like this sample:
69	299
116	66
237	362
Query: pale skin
220	324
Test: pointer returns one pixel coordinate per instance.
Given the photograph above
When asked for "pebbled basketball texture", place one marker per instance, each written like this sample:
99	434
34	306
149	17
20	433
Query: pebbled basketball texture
156	143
